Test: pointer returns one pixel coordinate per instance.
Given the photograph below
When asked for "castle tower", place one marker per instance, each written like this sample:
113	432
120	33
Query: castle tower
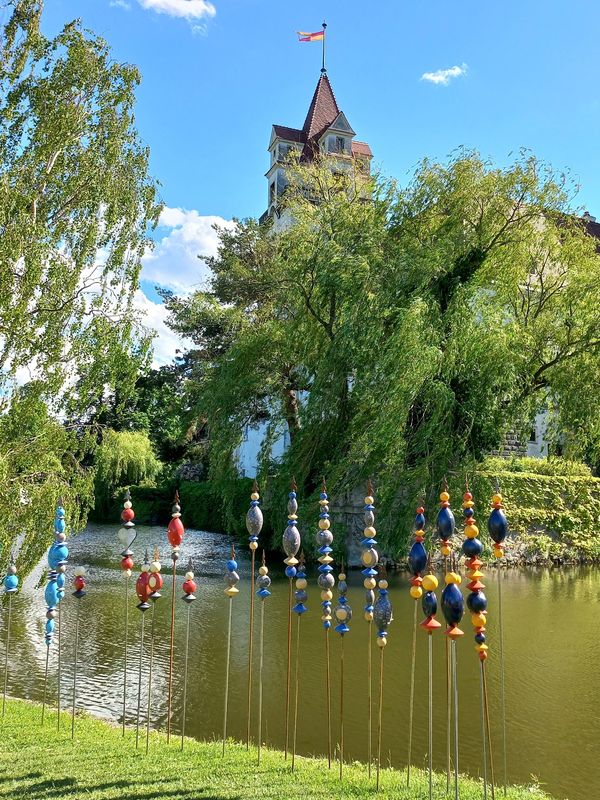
326	131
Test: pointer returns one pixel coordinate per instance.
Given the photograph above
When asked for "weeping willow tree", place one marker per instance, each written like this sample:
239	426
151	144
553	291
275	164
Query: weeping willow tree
399	333
124	458
76	203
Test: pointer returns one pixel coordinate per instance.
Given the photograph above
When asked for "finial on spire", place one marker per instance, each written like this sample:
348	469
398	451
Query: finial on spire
323	69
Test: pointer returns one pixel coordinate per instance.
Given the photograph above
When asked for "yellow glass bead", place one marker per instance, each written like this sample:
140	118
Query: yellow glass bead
468	504
430	583
383	584
369	500
341	614
326	617
381	641
324	524
262	570
497	498
498	552
481	648
472	531
369	616
369	583
253	545
323	502
291	561
444	497
301	583
326	594
478	620
416	592
446	550
327	559
232	591
342	576
370	532
452	577
255	496
369	558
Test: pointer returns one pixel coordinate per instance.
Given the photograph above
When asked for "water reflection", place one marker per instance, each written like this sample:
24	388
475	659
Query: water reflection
552	652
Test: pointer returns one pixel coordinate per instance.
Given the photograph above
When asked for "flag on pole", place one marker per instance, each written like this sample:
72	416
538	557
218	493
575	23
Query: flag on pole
311	37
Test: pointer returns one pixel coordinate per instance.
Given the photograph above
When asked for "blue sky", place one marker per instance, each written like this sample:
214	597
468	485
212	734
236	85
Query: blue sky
215	77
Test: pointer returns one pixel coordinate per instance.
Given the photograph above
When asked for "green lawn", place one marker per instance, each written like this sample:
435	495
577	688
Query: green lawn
41	764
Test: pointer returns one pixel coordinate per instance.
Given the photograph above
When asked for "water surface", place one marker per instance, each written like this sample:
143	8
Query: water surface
552	652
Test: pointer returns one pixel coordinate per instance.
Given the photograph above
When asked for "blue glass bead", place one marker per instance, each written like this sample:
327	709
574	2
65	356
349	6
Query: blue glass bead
468	512
417	558
292	495
263	593
480	638
323	496
11	582
51	594
476	602
472	547
420	522
498	525
60	580
60	525
57	553
327	624
50	626
231	565
299	608
60	512
301	595
453	605
342	628
290	572
429	604
445	523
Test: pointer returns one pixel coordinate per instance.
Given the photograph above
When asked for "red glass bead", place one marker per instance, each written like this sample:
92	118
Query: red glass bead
127	514
175	532
79	583
189	587
127	562
420	510
141	587
155	581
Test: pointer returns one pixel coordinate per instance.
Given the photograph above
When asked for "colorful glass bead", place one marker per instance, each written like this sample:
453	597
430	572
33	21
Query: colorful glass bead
254	518
370	556
11	579
291	536
127	535
342	611
326	580
231	577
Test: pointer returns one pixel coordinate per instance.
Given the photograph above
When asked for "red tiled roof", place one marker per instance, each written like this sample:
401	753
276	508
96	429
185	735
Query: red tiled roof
289	134
323	109
361	149
591	226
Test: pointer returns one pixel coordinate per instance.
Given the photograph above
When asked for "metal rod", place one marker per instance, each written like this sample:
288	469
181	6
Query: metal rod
341	705
412	694
150	678
126	644
171	653
75	670
289	672
6	653
380	714
370	698
139	699
328	678
296	692
487	725
448	703
59	668
227	674
502	684
45	682
455	693
430	727
250	650
483	734
185	673
260	675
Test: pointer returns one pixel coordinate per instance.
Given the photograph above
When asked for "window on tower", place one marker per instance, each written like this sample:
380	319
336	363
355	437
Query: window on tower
337	144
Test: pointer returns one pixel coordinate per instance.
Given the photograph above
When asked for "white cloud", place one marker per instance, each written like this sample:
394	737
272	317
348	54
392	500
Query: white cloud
166	342
174	262
442	77
120	4
187	9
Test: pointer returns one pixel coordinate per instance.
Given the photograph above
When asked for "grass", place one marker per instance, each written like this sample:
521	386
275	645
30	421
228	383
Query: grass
42	764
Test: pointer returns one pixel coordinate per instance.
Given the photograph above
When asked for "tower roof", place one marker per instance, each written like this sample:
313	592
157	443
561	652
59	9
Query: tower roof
323	109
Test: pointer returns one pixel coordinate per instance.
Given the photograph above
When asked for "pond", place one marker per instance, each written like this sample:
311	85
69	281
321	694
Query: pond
552	652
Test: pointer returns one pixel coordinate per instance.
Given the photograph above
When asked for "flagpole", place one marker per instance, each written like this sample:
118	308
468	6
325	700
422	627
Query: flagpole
324	36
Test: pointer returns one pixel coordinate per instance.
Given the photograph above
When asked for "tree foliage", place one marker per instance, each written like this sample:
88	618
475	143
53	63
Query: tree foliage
76	203
123	458
399	333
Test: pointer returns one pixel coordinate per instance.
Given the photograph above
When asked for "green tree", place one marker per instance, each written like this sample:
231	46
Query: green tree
76	203
124	458
398	333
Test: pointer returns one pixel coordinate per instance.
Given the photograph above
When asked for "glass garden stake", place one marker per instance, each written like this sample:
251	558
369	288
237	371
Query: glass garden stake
369	559
79	584
254	523
155	582
263	592
126	536
189	587
291	545
382	615
231	579
11	586
326	583
343	615
142	589
298	609
175	533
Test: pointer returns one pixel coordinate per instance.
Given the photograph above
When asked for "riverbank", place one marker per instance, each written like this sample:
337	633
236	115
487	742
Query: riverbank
38	763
